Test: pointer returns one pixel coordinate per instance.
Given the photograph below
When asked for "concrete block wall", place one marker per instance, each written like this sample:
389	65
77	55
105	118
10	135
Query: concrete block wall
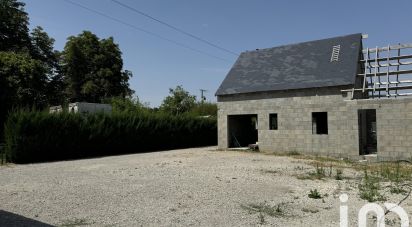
294	109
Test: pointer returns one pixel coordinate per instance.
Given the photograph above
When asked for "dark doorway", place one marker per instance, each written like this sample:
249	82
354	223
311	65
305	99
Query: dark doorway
242	130
367	131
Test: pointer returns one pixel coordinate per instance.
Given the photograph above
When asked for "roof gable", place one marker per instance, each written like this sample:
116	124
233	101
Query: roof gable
295	66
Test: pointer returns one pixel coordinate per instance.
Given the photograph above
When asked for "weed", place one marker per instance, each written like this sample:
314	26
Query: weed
75	222
330	171
369	188
397	189
318	174
269	171
339	174
264	208
314	194
293	153
299	168
310	210
262	220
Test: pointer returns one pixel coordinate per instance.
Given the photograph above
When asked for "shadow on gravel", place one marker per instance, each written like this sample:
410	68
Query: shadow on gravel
10	219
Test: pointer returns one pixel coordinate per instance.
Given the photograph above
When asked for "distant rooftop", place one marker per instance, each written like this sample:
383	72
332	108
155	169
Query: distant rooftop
320	63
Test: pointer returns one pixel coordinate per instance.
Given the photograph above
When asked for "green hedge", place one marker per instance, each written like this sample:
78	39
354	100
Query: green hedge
40	136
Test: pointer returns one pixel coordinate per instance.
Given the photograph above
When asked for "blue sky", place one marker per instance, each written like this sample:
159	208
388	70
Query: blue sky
237	25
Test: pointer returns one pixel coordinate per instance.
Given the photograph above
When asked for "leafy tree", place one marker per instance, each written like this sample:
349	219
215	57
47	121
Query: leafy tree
178	102
92	69
204	109
22	83
23	79
42	49
128	105
28	64
14	31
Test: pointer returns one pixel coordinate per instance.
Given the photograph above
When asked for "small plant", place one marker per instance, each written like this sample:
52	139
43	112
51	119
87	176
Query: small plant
396	188
320	171
318	174
264	208
310	210
369	188
330	171
314	194
299	168
262	220
269	171
75	222
339	174
293	153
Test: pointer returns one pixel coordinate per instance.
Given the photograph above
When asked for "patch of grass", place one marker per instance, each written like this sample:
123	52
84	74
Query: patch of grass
293	153
369	188
318	174
299	168
265	208
262	220
269	171
339	174
396	189
314	194
310	210
395	172
74	222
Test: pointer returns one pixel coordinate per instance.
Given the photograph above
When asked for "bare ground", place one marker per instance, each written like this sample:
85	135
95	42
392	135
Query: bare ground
190	187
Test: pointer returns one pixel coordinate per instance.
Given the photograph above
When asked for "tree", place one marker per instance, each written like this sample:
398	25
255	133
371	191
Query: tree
92	69
14	31
204	109
178	102
42	49
22	83
28	64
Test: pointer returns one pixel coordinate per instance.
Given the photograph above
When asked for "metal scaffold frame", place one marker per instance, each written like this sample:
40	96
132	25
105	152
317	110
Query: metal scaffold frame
386	72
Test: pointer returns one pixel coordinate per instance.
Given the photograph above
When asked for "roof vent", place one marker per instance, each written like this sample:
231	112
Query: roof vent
335	53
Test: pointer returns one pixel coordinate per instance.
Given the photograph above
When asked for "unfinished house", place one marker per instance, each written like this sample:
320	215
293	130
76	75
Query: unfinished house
330	97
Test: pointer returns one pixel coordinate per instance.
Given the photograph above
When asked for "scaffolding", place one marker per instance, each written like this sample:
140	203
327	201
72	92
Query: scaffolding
385	72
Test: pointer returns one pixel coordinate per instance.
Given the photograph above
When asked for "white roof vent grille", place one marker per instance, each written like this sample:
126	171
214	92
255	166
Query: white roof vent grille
335	53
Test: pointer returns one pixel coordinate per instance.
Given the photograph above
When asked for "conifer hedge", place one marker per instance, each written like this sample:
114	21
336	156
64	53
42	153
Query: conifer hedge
39	136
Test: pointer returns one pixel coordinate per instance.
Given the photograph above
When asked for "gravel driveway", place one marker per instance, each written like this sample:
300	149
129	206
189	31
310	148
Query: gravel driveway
190	187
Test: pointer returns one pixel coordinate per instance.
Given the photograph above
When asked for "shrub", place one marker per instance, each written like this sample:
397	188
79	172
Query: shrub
314	194
369	188
39	136
339	174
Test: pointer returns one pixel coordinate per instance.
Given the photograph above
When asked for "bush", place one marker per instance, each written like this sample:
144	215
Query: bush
314	194
39	136
369	188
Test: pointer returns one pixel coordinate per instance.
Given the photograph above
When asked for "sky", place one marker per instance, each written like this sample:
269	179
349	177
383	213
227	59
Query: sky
236	25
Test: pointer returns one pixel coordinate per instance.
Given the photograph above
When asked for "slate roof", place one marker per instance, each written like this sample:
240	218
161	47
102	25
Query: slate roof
295	66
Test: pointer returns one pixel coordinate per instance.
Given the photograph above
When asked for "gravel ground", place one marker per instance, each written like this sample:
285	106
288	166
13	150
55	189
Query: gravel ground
190	187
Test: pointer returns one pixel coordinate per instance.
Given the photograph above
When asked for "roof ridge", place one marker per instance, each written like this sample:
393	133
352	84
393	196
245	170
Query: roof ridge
299	43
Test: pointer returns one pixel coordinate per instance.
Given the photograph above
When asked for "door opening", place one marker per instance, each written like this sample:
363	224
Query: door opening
242	130
367	132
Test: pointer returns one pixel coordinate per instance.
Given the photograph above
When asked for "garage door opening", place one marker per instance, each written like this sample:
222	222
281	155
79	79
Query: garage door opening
367	132
242	130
